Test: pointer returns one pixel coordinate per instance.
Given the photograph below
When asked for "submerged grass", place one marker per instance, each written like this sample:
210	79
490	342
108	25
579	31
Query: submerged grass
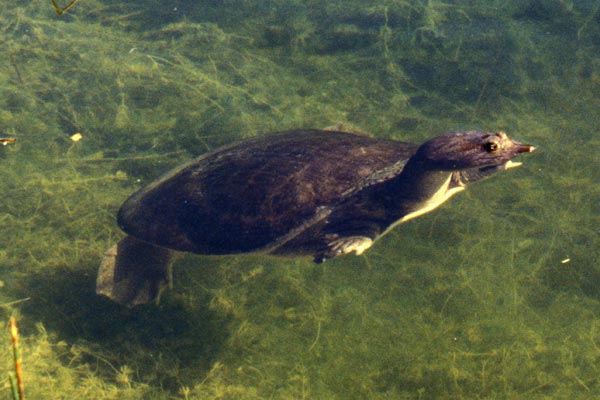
493	296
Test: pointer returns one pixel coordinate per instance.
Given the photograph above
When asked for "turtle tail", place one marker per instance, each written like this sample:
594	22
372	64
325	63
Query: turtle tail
134	272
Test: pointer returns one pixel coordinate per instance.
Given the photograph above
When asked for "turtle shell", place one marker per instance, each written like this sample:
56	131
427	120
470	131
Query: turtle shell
248	196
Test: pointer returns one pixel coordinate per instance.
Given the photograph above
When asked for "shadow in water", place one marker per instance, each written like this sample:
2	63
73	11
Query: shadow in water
171	339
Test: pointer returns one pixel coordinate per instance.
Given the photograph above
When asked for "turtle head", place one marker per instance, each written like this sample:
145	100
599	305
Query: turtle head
473	149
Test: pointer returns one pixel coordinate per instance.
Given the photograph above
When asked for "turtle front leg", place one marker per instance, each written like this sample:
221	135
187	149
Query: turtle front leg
344	245
354	240
349	244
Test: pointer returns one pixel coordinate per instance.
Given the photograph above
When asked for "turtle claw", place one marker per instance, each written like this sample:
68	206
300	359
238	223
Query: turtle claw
349	244
345	245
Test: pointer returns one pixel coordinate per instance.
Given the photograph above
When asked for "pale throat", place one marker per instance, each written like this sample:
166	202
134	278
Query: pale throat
446	190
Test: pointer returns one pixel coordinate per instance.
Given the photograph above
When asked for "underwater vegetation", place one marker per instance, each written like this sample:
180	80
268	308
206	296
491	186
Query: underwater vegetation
493	296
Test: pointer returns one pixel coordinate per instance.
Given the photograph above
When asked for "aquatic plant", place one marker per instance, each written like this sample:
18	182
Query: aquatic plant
60	10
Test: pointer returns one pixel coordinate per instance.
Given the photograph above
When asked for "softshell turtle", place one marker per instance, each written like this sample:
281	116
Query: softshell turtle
301	192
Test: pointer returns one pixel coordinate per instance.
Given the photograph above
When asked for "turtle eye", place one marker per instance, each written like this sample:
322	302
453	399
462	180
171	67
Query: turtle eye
490	147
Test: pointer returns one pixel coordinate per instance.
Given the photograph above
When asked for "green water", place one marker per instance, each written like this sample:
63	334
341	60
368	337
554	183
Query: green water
496	295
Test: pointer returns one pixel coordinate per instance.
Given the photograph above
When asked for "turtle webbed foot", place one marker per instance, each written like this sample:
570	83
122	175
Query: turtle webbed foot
345	245
134	272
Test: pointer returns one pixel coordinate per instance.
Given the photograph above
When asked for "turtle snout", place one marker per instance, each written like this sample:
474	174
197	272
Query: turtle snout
518	147
501	142
524	148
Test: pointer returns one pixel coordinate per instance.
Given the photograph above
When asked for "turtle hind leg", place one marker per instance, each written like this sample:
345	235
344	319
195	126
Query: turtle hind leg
134	272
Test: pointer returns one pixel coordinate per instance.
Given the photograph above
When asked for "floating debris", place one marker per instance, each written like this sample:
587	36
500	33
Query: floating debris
9	140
